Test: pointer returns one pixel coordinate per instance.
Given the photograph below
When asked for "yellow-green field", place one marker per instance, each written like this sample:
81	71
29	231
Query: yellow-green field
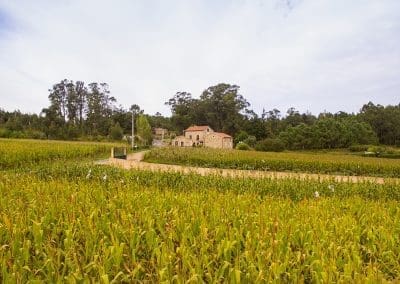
311	162
68	221
16	153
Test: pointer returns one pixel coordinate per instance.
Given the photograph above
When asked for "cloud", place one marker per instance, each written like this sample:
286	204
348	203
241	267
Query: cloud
311	54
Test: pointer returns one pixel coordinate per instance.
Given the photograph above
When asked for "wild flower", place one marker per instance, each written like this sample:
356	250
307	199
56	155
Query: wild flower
331	188
89	174
105	177
316	194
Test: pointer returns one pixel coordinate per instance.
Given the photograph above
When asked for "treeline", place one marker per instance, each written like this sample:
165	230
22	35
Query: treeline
89	112
76	111
225	109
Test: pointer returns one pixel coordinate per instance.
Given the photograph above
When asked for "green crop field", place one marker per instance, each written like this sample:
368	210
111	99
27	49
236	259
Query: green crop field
65	220
16	153
317	162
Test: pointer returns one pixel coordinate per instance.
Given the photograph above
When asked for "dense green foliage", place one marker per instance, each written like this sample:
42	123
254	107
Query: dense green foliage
116	132
225	109
313	162
83	223
328	133
144	132
385	121
270	145
242	146
89	112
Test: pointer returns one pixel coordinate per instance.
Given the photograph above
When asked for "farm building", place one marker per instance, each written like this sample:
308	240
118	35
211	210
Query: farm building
160	132
203	136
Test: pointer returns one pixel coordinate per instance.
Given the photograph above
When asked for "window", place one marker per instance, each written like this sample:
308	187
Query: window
198	137
176	143
190	137
182	144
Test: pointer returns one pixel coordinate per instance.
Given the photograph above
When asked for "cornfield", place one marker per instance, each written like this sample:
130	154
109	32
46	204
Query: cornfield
22	153
76	222
317	162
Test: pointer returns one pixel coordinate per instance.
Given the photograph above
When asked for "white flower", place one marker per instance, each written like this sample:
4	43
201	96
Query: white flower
89	174
331	187
316	194
105	177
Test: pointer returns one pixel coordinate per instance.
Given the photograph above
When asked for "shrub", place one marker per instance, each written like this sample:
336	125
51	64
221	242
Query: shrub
359	148
251	141
242	146
4	133
390	155
377	149
34	134
241	136
270	145
116	132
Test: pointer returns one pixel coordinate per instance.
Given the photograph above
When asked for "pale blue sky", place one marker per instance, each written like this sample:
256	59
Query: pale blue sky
314	55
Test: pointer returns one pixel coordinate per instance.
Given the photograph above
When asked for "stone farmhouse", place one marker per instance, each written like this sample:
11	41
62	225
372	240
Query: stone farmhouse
203	136
160	133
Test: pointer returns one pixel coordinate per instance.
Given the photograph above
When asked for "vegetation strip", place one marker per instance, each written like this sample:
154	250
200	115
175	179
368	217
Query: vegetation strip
317	162
135	165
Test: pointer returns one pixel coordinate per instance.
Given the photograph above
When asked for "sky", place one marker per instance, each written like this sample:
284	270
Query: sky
314	55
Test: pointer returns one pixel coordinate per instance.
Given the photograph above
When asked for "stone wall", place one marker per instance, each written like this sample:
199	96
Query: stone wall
214	140
182	141
196	136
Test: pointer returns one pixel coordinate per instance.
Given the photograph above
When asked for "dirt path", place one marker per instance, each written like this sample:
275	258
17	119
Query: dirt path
135	161
138	156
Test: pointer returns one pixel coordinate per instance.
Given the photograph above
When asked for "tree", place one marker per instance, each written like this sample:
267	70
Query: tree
100	107
272	121
143	130
183	108
385	121
81	94
116	132
270	145
241	136
224	107
58	99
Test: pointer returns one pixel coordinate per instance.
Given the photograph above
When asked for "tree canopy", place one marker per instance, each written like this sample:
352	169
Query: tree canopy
78	110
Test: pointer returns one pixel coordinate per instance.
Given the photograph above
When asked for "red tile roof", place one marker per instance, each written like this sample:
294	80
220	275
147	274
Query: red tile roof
198	128
223	135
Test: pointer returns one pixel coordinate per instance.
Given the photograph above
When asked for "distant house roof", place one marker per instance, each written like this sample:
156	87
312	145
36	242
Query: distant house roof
198	128
223	135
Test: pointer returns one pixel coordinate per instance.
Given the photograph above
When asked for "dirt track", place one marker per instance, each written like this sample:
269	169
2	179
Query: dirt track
134	161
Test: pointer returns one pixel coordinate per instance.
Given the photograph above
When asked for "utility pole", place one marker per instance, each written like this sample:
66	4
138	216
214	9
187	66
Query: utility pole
133	129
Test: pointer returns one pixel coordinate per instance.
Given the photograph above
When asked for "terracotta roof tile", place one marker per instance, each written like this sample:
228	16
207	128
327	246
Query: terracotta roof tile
221	134
198	128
